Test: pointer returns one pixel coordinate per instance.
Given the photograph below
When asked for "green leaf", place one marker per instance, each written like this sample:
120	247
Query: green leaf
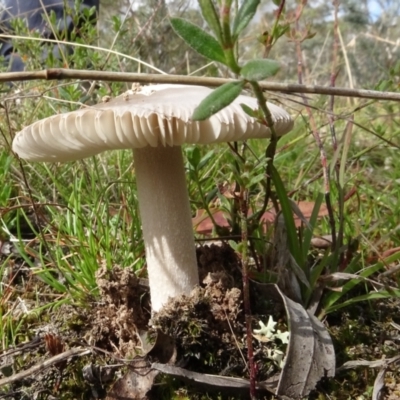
211	195
347	135
206	159
279	31
217	100
244	16
193	156
256	179
308	233
383	294
384	85
197	39
249	111
211	17
293	241
331	298
257	70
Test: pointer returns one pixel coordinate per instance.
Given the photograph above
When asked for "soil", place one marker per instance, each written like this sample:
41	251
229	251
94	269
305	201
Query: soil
203	333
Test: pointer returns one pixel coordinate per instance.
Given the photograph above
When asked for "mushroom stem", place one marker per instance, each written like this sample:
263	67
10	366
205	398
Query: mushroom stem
166	222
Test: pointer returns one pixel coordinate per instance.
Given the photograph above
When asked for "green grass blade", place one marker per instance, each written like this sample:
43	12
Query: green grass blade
287	212
308	233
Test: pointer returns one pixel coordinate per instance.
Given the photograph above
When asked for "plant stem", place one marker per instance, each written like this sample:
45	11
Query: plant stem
205	204
227	42
325	170
243	201
271	149
271	37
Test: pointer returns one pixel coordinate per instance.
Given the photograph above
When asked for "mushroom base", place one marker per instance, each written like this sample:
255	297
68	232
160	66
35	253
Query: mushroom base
166	223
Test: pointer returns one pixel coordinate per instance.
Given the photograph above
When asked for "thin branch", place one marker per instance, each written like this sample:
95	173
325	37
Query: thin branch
82	45
79	351
62	73
313	125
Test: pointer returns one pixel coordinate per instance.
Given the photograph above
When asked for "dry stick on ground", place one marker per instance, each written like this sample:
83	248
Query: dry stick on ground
62	73
34	343
78	351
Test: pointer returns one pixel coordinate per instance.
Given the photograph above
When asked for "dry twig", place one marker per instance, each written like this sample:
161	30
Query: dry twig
63	73
78	351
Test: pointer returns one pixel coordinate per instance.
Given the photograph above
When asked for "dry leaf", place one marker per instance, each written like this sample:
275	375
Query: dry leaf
204	226
310	354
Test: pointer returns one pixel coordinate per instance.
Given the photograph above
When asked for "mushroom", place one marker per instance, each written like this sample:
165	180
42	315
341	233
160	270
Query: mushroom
154	121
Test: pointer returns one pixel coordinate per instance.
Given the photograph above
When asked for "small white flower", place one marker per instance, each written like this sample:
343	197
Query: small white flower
277	357
266	330
283	336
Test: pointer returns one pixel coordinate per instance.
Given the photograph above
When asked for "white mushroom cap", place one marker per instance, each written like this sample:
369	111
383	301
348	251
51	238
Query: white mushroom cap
154	121
151	116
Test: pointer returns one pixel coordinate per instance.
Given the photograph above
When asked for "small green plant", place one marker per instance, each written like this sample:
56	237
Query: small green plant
6	187
222	48
318	283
